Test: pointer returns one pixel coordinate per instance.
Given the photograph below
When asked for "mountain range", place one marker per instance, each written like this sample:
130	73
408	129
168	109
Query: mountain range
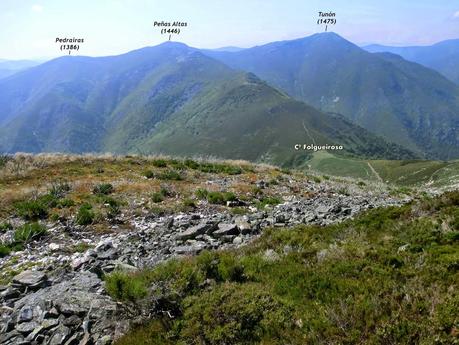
253	104
442	57
10	67
403	101
168	99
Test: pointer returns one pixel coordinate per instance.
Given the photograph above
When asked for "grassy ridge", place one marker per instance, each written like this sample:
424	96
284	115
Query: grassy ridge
399	172
389	276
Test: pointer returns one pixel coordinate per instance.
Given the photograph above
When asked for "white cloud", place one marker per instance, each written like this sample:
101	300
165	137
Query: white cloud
37	8
456	14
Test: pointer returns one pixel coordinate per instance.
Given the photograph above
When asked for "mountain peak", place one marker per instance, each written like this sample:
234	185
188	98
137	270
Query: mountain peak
173	44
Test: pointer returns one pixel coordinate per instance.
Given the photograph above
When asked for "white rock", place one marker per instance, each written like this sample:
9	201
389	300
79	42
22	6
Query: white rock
54	246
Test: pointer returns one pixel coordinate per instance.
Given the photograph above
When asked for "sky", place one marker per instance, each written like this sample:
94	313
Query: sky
29	28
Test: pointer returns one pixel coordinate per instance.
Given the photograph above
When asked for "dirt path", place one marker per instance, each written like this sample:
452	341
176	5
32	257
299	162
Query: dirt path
375	172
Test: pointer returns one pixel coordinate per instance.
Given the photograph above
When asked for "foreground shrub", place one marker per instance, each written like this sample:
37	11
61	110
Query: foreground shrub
4	250
268	201
103	189
4	158
124	286
36	208
5	226
233	314
113	207
85	215
59	189
216	197
29	232
157	197
173	175
149	174
159	163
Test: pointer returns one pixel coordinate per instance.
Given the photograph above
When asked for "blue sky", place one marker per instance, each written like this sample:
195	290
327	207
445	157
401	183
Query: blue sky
28	29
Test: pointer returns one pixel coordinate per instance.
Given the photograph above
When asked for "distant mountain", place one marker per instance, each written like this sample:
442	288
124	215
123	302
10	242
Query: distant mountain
228	49
167	99
402	101
442	57
9	67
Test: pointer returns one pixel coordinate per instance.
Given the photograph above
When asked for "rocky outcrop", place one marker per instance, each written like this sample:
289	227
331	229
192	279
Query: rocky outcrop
63	300
72	309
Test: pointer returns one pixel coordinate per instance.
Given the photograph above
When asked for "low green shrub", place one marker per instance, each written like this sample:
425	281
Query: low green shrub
29	232
220	197
59	189
85	215
268	200
233	314
4	250
125	286
65	203
189	203
149	174
5	226
157	197
159	163
35	209
172	175
201	193
103	189
113	206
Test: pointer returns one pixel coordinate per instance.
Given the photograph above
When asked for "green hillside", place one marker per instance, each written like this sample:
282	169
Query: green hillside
398	172
405	102
389	276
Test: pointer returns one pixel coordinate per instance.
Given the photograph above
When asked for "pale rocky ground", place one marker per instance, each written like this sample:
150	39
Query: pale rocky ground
58	297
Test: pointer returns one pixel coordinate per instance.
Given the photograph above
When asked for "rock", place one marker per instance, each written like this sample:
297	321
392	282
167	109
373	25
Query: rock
227	238
104	245
225	230
75	340
4	338
322	209
346	211
30	279
194	231
403	248
237	240
59	335
105	340
10	293
243	225
49	323
25	314
190	249
121	266
34	333
77	295
280	218
109	254
26	327
270	255
54	246
72	321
